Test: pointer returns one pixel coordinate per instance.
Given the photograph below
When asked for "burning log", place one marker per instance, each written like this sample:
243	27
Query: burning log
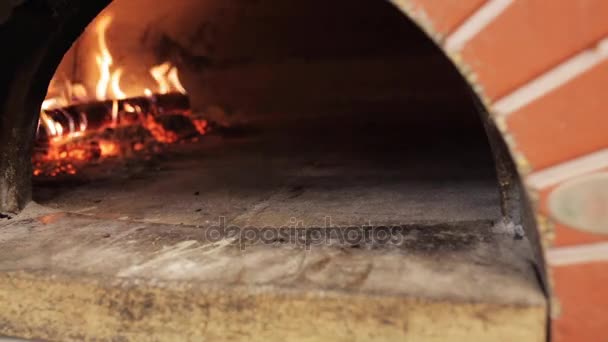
79	119
172	103
92	116
86	132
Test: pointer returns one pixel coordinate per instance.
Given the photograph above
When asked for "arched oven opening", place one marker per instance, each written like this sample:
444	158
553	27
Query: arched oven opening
364	100
324	148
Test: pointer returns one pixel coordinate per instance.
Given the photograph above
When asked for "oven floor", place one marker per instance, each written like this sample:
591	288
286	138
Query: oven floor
124	251
281	174
70	276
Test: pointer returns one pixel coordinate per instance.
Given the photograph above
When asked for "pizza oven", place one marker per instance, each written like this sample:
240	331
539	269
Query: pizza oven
148	142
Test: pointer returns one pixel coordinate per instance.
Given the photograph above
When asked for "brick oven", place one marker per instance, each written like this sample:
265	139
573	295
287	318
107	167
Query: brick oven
306	170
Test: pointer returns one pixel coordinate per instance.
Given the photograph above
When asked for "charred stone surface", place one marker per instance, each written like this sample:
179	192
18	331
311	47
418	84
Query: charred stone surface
35	34
120	280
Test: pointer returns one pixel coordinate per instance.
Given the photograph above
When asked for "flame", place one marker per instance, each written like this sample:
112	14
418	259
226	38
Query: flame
114	113
118	93
51	103
83	123
159	73
68	148
174	80
58	128
129	108
77	91
167	77
49	124
104	59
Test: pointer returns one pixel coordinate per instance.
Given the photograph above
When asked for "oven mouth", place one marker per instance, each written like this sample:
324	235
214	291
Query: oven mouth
402	134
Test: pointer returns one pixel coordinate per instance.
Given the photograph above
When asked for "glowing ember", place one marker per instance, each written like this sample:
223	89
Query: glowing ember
159	132
138	147
74	130
114	113
109	148
202	126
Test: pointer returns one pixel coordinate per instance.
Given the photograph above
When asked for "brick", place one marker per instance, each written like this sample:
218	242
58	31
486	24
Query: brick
447	15
530	37
583	302
566	123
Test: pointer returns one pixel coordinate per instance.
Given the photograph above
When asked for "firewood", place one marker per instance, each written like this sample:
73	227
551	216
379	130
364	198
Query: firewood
73	136
96	115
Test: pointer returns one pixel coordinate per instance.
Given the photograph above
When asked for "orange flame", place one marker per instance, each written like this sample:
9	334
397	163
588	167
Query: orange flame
167	77
104	59
49	124
62	125
114	113
83	123
118	93
53	103
174	80
129	108
77	91
159	73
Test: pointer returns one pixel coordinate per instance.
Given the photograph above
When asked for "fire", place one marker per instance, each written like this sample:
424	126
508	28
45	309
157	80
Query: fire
118	93
71	138
104	58
175	82
167	77
50	103
114	113
202	126
165	74
49	124
109	148
159	132
159	73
